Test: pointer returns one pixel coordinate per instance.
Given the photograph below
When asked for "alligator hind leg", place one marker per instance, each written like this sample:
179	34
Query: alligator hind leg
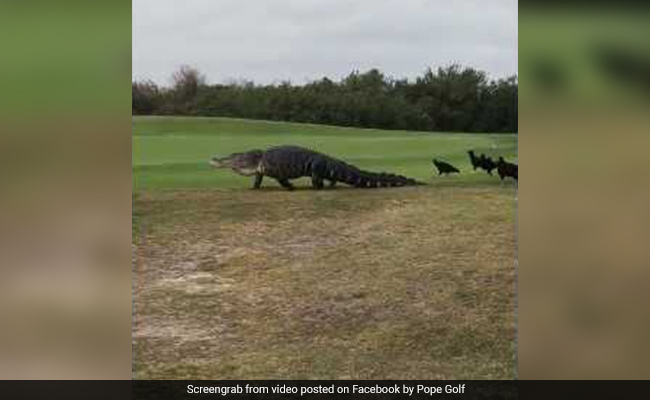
316	182
286	184
318	172
258	181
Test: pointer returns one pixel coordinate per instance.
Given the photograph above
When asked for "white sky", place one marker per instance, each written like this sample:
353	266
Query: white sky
273	40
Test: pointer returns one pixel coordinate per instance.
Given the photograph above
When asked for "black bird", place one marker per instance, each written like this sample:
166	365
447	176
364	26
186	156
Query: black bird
445	168
506	169
483	162
487	164
476	162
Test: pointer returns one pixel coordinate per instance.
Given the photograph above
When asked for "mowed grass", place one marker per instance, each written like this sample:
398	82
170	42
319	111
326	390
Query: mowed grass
173	153
230	283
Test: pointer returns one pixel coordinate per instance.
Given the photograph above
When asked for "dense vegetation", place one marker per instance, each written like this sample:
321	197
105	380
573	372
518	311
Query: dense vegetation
449	99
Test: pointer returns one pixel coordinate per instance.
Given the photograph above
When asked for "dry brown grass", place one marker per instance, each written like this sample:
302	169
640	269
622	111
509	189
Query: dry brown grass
415	283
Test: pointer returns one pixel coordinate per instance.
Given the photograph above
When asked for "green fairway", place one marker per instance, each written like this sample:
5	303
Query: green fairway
391	283
173	153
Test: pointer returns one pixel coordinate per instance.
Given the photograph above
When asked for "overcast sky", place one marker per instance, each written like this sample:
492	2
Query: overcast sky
273	40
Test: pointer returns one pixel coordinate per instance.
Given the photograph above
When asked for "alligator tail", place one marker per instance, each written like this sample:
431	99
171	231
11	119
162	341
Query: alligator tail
353	176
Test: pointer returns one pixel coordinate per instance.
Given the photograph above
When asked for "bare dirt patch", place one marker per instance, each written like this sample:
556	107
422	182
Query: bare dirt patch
407	283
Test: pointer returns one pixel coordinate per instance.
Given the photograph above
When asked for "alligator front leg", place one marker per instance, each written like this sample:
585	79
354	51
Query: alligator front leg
286	184
258	181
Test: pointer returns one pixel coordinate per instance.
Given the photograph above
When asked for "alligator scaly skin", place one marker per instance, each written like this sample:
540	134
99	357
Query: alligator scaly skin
291	162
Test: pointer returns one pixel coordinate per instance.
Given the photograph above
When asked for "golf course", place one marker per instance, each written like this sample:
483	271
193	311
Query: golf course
343	283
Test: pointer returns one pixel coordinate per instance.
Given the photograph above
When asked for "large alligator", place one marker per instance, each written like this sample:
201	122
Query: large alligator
291	162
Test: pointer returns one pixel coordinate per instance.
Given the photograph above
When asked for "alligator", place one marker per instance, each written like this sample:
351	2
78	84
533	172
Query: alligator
284	163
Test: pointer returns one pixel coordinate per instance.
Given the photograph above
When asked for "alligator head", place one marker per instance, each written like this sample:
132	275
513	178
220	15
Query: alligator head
246	164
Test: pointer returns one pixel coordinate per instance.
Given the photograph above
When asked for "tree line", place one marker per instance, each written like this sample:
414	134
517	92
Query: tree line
452	98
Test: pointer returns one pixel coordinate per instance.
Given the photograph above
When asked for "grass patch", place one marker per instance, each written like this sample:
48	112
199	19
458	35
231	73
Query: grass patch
403	283
173	153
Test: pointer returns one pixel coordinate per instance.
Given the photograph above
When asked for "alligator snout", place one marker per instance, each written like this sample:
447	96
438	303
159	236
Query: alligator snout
217	162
